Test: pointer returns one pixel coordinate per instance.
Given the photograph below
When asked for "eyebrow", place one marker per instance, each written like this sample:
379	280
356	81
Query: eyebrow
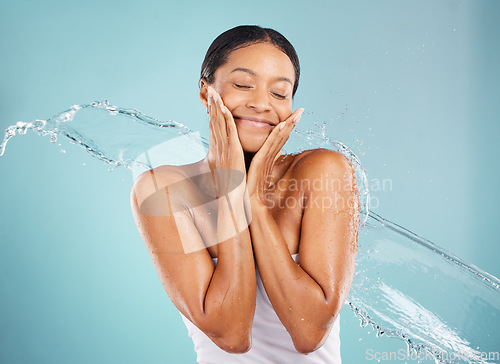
254	74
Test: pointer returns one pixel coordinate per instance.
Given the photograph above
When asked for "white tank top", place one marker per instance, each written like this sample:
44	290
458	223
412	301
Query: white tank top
271	343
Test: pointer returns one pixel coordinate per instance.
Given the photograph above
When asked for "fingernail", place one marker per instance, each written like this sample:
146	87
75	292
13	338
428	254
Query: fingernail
298	116
282	125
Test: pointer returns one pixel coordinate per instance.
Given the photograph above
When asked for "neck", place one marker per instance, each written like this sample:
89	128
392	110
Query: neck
248	159
248	156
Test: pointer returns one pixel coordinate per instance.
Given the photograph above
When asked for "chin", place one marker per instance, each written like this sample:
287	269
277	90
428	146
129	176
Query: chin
252	144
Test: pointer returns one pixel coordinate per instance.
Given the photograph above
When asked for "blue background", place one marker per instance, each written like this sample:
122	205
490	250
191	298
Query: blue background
411	86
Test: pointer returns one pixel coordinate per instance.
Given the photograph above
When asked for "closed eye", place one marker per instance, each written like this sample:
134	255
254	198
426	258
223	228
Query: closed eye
281	97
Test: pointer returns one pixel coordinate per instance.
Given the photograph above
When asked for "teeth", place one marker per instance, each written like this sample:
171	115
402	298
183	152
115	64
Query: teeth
263	122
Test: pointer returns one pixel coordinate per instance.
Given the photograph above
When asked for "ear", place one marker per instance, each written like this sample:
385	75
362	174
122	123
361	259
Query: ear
204	93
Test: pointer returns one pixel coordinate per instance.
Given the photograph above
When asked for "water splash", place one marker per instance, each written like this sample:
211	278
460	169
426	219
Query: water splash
404	286
117	141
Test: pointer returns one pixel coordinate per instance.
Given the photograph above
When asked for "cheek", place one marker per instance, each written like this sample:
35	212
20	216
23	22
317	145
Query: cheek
284	111
230	98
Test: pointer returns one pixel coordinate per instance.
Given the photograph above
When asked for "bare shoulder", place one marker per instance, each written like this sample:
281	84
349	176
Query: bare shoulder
149	184
157	178
314	162
160	198
151	179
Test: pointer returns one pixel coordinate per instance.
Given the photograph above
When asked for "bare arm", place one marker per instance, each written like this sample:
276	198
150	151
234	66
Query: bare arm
221	300
309	297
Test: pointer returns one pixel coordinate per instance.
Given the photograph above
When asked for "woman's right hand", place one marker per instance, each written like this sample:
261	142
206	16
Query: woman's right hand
225	154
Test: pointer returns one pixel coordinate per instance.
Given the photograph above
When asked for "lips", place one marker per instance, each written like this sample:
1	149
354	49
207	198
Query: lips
252	121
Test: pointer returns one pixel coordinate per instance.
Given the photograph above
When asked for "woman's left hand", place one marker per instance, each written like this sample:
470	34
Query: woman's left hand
260	170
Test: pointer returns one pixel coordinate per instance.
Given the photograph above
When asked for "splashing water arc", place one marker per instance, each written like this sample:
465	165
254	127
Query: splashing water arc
398	273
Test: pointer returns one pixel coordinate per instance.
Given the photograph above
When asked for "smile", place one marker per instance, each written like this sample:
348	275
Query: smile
253	123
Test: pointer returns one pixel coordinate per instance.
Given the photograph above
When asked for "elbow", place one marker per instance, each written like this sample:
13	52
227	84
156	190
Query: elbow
310	342
235	344
233	335
313	335
307	347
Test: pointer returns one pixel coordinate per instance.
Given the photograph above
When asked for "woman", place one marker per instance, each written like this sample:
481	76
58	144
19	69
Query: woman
226	233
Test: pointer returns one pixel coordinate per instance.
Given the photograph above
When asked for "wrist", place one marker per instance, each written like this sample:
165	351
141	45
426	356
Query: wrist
238	194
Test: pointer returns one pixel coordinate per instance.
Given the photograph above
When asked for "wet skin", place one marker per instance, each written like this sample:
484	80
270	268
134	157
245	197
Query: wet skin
288	211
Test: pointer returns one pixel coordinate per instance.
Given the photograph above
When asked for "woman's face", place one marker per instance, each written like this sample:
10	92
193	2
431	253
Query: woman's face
256	86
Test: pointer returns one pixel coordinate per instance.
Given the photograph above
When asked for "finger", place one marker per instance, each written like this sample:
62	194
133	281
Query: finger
275	141
277	156
212	141
287	126
268	148
211	124
231	130
295	116
283	133
214	123
220	127
277	138
228	117
217	102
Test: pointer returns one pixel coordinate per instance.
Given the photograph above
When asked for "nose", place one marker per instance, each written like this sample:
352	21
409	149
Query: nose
258	99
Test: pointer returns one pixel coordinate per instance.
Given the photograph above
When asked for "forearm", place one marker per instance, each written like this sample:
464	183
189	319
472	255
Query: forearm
298	300
229	304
